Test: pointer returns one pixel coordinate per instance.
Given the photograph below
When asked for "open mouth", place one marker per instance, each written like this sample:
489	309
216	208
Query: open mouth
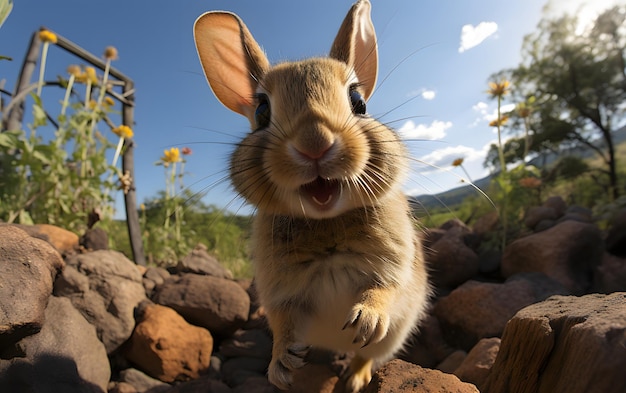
322	192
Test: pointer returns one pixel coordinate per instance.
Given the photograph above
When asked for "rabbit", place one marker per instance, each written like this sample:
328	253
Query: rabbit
337	258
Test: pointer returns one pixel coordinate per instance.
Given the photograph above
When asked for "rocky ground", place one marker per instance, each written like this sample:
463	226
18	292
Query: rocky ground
549	315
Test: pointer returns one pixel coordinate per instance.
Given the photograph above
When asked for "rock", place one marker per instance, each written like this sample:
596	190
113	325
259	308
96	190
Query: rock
236	370
255	343
399	376
108	297
166	347
427	347
452	362
316	378
451	261
217	304
616	236
610	275
94	239
487	223
478	362
455	223
202	385
564	344
121	387
153	277
65	356
64	241
536	214
557	204
28	267
142	382
258	385
567	252
478	310
200	262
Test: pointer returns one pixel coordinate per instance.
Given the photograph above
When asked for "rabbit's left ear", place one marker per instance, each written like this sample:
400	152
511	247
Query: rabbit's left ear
356	46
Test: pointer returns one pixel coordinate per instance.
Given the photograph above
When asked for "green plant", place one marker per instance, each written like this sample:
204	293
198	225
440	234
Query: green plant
61	178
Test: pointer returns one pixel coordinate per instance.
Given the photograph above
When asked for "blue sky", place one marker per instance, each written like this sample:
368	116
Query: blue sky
453	46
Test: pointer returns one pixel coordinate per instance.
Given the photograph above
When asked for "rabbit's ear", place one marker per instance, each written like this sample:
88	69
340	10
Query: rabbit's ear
356	46
231	59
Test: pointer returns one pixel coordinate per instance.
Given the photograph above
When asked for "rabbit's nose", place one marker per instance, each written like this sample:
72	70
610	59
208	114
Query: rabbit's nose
314	154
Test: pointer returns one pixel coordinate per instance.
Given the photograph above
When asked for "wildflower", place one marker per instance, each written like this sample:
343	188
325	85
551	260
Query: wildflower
108	101
170	156
142	207
186	151
90	73
47	36
523	110
530	182
499	122
73	70
110	53
457	162
92	104
499	89
123	131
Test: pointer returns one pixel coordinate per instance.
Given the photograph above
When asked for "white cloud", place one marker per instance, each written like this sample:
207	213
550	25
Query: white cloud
436	130
428	94
443	158
486	114
474	35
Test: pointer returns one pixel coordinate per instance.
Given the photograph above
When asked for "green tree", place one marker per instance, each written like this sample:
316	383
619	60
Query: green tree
579	81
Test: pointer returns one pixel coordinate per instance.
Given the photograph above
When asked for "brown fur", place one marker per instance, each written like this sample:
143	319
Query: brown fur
347	274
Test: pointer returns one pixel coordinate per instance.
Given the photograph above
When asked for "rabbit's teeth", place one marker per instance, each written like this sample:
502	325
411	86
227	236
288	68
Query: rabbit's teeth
322	191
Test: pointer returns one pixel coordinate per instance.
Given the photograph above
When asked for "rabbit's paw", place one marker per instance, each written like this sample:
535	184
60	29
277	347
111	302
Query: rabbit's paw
359	374
370	325
281	366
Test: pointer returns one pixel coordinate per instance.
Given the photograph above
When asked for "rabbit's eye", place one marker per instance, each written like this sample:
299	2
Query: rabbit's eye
262	113
357	101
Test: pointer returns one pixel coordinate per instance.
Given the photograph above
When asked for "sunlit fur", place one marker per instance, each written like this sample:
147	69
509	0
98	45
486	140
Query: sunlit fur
349	276
311	108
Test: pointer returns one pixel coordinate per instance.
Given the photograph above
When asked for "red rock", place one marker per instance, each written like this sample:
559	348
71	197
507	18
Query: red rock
567	252
166	347
477	310
564	344
452	362
398	376
610	276
477	364
64	241
450	260
217	304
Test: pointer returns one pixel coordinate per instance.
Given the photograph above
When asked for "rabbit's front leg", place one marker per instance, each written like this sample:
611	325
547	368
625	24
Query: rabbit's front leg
370	316
287	354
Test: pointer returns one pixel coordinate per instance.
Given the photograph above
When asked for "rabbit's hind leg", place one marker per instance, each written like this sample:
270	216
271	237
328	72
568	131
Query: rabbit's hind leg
358	374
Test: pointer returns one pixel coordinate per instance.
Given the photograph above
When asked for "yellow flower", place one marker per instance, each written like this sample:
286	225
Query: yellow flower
498	89
90	73
110	53
74	70
499	122
142	207
92	104
170	156
457	162
47	36
123	131
108	101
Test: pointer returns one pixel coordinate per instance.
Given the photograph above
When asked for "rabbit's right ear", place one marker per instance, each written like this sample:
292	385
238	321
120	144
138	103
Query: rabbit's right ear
231	59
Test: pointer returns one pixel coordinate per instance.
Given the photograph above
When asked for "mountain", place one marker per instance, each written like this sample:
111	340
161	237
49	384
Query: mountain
456	195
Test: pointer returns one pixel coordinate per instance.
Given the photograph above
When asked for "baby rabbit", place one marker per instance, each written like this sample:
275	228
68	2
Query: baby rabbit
338	263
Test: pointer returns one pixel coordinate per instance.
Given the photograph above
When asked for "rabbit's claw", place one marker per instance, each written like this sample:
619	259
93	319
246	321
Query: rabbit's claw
281	366
370	326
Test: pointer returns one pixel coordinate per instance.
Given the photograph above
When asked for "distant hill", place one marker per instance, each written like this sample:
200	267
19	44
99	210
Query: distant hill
456	195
